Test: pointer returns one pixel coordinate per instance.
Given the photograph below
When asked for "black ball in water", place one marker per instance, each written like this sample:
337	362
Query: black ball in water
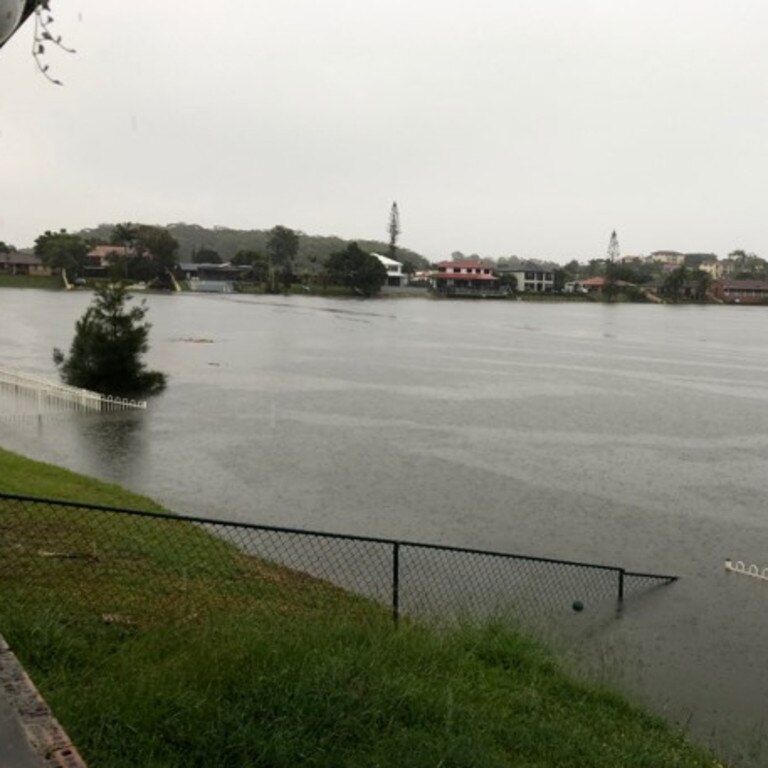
578	606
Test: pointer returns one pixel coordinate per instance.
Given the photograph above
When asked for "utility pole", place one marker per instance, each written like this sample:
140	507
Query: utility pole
394	230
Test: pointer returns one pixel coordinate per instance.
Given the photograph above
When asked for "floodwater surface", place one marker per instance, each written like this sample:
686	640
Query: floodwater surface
628	435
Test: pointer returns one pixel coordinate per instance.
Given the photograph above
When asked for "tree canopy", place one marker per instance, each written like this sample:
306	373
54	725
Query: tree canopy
313	249
206	256
153	252
62	250
282	247
106	351
356	269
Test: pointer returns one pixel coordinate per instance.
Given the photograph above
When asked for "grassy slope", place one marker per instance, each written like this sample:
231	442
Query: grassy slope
28	281
293	673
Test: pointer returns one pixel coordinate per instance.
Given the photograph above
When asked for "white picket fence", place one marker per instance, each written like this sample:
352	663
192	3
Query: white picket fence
739	566
39	395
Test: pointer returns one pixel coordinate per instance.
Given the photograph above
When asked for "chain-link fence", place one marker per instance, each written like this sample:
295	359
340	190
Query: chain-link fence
130	565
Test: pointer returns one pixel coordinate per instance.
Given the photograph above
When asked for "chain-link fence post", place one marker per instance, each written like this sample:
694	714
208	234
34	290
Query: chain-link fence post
396	581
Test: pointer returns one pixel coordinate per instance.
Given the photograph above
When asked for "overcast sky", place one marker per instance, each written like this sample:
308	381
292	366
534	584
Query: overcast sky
499	126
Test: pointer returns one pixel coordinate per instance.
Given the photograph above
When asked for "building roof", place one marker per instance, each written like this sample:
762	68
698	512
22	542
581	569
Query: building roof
386	261
529	266
467	264
103	251
462	276
16	257
744	285
192	266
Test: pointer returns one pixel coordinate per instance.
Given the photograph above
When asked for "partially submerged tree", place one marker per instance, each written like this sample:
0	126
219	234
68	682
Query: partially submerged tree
106	351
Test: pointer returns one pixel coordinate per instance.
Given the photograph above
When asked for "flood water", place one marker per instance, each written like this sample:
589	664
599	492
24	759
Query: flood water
629	435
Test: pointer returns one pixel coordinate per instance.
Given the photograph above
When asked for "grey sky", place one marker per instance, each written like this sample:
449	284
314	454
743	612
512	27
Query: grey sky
499	126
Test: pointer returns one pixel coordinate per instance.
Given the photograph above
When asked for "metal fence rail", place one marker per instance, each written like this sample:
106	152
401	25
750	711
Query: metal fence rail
37	395
80	545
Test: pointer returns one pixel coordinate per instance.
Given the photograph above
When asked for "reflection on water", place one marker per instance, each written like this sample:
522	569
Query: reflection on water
113	443
627	435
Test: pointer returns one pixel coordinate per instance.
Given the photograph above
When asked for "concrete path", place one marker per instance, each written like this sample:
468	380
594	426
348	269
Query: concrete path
30	737
15	749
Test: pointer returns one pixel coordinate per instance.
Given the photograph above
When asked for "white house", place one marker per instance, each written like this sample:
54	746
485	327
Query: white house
395	274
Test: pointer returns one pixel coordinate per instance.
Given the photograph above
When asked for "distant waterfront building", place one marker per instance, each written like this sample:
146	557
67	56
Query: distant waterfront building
675	258
741	291
706	262
98	260
18	263
395	275
532	277
468	277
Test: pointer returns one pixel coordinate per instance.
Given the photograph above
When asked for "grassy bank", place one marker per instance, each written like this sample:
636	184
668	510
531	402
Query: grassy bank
30	281
299	673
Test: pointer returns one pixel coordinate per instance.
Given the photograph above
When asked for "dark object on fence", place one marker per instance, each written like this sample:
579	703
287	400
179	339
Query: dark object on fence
77	545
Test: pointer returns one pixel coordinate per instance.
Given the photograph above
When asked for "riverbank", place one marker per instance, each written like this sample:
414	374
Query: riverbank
319	679
336	292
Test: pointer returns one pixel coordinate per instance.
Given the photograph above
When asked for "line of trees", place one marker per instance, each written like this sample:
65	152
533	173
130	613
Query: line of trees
151	254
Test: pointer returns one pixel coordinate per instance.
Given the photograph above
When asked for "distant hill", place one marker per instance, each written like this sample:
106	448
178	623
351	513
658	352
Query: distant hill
227	242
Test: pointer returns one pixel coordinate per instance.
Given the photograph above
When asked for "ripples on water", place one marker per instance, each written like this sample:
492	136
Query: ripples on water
629	435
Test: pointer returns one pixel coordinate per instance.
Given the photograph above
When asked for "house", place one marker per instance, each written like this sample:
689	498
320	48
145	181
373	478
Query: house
596	283
675	258
713	268
212	278
467	277
740	291
531	277
98	260
224	272
395	275
17	263
706	262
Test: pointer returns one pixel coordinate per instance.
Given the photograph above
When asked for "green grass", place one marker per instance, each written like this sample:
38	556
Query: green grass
31	281
224	660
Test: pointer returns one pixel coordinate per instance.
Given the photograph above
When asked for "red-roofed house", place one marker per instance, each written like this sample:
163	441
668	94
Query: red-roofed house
465	278
596	283
99	258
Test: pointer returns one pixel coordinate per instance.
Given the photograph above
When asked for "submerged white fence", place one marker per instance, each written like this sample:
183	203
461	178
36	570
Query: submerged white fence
34	395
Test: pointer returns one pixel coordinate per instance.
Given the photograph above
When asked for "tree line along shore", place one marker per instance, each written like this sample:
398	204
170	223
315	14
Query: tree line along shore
285	260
